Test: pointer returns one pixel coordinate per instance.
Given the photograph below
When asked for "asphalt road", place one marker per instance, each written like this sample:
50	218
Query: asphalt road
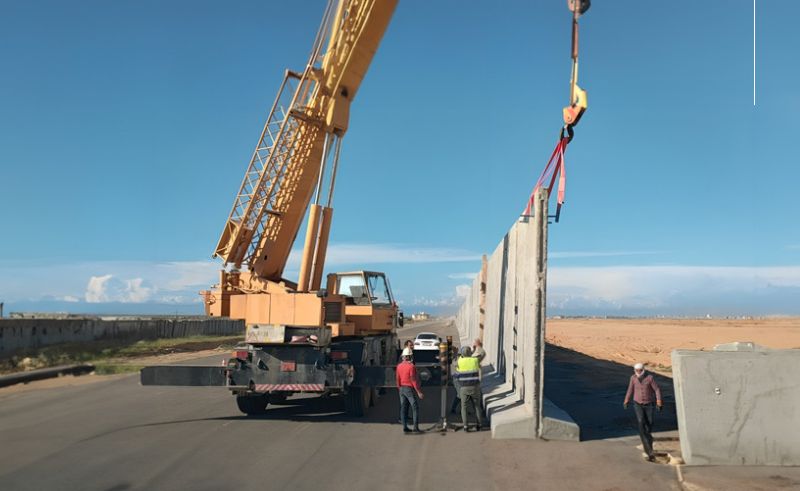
116	435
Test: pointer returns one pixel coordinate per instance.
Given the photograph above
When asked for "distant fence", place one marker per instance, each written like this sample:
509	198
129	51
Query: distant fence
25	334
506	309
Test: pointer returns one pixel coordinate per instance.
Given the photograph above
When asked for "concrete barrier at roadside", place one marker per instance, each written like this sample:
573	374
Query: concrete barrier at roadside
27	334
738	407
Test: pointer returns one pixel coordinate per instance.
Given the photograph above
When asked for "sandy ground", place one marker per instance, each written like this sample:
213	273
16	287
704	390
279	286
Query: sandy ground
651	341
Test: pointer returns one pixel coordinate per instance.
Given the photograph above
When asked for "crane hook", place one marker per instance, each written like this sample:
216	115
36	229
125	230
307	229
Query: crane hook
579	6
577	96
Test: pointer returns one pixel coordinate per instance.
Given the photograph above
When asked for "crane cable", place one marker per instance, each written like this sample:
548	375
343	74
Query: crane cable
571	115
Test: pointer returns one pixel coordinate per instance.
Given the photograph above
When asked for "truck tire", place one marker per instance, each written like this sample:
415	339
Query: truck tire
356	401
253	405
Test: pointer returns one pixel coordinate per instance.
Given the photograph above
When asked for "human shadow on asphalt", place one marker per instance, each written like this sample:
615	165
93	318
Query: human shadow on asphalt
386	410
328	409
331	409
591	391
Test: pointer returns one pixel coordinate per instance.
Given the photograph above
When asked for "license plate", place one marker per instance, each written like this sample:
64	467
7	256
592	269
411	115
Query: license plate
288	366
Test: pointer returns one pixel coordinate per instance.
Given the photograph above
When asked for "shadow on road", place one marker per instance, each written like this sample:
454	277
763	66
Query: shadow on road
386	409
331	409
592	390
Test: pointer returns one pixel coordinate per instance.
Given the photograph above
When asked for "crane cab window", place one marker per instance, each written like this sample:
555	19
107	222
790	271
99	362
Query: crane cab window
354	288
379	289
364	289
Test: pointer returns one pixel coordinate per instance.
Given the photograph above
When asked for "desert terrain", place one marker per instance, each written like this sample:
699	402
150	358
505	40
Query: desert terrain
651	341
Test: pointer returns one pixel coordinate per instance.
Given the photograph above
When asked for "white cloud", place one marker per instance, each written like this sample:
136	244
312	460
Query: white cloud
463	276
96	290
447	300
345	254
107	288
583	254
182	275
69	298
135	291
443	301
673	288
463	291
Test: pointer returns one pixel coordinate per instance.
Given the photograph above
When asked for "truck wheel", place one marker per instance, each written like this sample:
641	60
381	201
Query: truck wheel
253	405
356	401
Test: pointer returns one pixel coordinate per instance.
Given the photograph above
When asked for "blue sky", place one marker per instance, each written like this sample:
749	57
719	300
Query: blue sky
127	127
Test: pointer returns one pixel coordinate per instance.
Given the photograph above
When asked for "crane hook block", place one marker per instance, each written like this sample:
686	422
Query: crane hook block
573	112
579	6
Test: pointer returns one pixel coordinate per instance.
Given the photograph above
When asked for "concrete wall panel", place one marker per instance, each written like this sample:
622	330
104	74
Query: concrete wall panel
738	407
24	334
514	327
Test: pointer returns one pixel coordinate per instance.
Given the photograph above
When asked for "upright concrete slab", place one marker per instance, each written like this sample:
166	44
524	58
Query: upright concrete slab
738	407
512	314
513	319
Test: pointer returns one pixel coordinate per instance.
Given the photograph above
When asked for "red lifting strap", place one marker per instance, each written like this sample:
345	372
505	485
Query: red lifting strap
555	167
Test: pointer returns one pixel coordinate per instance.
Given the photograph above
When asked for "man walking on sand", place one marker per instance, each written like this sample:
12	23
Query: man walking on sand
644	389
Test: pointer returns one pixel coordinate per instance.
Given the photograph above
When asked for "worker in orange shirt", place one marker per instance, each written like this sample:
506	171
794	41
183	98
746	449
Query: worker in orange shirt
409	389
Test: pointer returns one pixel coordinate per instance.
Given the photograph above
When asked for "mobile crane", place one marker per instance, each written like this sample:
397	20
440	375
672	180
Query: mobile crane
301	337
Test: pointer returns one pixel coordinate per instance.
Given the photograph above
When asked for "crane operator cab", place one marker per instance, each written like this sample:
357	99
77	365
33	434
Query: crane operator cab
369	303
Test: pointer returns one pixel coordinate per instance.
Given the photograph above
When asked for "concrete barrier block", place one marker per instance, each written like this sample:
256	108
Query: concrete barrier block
514	423
738	407
557	424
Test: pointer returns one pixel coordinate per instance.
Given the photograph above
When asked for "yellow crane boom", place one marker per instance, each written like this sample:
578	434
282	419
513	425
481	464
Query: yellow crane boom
308	119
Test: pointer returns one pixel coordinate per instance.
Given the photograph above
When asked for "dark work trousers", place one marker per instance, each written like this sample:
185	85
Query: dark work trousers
408	397
644	416
471	395
457	400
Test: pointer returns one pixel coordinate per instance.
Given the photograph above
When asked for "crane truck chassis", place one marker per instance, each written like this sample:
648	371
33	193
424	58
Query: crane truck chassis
355	367
281	360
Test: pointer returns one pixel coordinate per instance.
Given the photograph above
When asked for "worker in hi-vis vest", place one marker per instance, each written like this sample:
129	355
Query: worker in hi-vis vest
468	380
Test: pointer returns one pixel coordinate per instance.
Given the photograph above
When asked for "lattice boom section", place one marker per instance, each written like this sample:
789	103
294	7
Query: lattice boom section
261	182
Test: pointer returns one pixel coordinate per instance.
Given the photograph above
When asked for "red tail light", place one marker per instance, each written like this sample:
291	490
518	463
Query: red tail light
241	355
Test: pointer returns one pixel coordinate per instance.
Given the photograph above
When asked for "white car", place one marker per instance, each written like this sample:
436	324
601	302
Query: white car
426	341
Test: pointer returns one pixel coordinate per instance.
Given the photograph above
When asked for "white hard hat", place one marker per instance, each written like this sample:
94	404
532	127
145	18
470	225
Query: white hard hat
638	366
408	351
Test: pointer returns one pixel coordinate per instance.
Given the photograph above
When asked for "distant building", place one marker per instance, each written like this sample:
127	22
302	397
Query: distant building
420	316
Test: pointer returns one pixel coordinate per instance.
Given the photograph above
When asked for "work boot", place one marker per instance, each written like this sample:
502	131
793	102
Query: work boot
406	430
417	430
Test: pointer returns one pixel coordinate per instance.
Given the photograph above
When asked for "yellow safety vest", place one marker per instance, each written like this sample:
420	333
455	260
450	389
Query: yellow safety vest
467	370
